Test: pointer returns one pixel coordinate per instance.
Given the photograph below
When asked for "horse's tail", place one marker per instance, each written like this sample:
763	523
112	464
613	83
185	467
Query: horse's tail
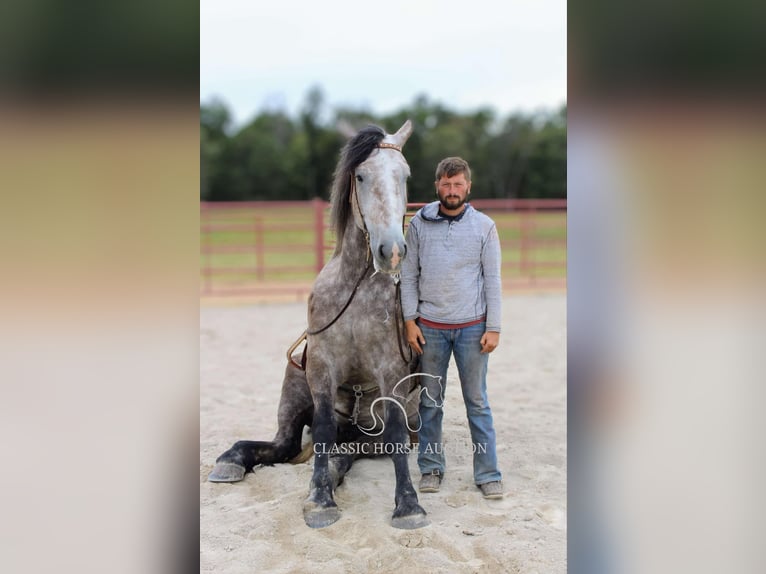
303	455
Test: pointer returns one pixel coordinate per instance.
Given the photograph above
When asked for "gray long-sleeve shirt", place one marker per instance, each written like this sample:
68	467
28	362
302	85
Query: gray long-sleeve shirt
451	273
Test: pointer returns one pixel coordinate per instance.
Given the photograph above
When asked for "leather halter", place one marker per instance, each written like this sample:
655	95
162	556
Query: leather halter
353	198
390	146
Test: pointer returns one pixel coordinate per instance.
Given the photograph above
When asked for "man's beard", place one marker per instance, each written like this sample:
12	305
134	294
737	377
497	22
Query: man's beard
455	202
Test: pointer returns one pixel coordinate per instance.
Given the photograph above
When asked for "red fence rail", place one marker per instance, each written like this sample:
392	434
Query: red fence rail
273	250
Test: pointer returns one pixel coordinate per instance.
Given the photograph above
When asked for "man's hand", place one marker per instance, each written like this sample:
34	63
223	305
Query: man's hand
489	341
414	336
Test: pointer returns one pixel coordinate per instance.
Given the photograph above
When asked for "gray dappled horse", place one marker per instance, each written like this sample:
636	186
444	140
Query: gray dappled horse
355	356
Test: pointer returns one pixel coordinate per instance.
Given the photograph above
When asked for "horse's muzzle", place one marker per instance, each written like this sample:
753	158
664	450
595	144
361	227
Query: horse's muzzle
389	255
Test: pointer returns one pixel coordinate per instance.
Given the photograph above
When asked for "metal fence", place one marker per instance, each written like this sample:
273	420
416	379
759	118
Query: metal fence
273	250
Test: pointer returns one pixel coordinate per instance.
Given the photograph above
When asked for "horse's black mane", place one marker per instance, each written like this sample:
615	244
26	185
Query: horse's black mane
354	152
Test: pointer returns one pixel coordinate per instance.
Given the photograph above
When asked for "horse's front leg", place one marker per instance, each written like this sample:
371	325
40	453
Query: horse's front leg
408	514
319	509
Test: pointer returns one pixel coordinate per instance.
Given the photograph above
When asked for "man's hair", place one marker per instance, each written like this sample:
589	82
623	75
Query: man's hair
452	166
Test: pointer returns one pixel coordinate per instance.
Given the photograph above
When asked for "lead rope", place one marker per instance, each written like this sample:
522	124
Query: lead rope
399	316
351	298
354	202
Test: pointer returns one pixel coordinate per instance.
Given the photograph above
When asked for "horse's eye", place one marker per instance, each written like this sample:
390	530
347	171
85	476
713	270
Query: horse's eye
359	178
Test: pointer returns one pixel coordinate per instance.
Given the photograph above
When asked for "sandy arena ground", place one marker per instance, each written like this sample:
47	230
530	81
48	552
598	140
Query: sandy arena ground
257	525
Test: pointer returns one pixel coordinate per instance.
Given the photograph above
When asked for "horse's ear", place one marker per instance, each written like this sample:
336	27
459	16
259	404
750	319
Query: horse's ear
345	128
403	134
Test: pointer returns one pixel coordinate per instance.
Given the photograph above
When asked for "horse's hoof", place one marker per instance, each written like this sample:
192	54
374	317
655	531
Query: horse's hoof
319	516
227	472
409	516
410	522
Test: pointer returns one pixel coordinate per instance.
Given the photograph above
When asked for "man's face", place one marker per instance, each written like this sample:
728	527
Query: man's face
453	191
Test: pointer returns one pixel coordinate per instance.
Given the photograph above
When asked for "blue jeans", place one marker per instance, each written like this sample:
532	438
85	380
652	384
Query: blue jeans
472	369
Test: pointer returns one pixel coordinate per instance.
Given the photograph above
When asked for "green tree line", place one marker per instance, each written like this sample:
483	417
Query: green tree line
278	157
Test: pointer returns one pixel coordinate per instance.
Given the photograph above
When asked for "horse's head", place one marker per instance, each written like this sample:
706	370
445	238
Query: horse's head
380	201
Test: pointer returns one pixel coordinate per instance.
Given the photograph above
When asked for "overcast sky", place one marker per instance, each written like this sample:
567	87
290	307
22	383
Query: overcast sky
506	54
